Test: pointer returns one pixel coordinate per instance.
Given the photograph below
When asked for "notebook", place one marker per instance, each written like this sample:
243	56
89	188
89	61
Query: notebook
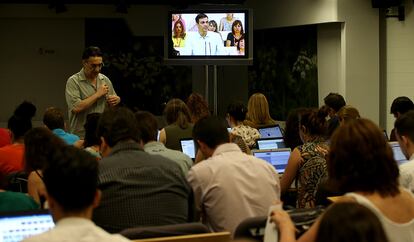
272	143
188	147
398	154
16	226
272	131
277	157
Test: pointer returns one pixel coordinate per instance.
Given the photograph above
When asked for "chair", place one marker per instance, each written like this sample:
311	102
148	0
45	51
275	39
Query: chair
206	237
165	230
251	228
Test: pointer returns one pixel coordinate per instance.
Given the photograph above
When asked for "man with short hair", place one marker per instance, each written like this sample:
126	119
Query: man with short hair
88	91
203	42
404	131
334	102
71	183
138	189
148	126
399	106
54	119
229	186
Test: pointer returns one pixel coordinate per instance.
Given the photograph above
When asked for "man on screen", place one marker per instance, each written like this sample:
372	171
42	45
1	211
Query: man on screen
203	42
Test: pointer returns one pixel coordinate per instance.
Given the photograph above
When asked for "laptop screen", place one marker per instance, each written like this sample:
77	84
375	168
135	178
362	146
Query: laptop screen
273	131
266	144
20	225
398	154
277	157
188	147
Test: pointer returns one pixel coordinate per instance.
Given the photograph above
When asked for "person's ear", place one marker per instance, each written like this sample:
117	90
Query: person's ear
97	198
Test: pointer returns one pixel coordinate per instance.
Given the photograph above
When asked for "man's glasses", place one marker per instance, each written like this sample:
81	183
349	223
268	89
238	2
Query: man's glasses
94	66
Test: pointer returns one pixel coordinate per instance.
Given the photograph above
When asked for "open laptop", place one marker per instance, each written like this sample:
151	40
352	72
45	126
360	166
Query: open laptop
270	143
273	131
16	226
277	157
398	154
188	147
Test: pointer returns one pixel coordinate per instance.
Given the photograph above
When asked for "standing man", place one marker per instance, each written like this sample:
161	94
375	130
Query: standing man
229	186
88	91
203	42
404	132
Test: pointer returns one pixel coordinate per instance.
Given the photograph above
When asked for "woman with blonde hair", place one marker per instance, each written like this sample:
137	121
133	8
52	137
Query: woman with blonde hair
347	113
258	114
179	126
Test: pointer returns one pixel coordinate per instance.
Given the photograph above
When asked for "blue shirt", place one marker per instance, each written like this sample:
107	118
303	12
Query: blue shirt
69	138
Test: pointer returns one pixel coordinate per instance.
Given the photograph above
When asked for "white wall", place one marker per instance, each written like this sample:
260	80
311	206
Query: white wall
400	59
348	46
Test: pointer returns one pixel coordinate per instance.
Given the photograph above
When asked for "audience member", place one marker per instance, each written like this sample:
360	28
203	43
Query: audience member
88	91
5	137
341	222
307	163
236	33
404	131
179	34
138	189
198	107
203	42
292	138
14	201
212	26
175	18
71	183
147	125
223	189
258	114
347	113
361	164
40	145
241	45
236	114
11	156
179	123
92	141
227	22
54	119
334	102
399	106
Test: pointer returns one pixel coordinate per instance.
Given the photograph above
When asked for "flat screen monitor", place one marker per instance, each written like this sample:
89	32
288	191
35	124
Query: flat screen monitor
209	37
16	226
273	131
272	143
277	157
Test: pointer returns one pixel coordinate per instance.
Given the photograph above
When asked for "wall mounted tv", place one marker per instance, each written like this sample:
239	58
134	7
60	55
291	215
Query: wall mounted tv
209	37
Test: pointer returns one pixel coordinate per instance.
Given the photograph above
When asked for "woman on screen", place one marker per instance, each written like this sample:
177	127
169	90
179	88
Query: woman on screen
212	26
236	33
179	34
241	46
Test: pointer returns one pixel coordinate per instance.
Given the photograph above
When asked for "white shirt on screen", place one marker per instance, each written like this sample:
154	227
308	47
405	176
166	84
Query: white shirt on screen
211	44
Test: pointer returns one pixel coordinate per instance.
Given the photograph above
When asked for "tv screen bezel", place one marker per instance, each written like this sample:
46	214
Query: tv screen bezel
247	59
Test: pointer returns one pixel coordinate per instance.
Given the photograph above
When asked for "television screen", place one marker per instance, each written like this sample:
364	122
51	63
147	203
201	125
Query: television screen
205	35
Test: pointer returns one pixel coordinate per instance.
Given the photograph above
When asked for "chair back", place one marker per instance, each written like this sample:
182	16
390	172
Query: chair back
206	237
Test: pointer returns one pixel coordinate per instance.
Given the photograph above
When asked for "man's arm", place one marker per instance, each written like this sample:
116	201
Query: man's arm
73	97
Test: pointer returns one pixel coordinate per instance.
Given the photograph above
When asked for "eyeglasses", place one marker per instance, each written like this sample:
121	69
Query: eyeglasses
94	66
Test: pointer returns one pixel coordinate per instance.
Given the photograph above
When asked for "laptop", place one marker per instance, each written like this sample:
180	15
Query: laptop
188	147
398	154
277	157
16	226
272	131
272	143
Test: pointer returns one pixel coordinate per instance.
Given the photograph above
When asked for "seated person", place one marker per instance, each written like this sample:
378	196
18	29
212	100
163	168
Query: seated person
307	162
236	114
224	193
5	137
258	114
179	123
138	189
54	119
40	145
333	102
236	33
147	124
11	156
71	183
399	106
